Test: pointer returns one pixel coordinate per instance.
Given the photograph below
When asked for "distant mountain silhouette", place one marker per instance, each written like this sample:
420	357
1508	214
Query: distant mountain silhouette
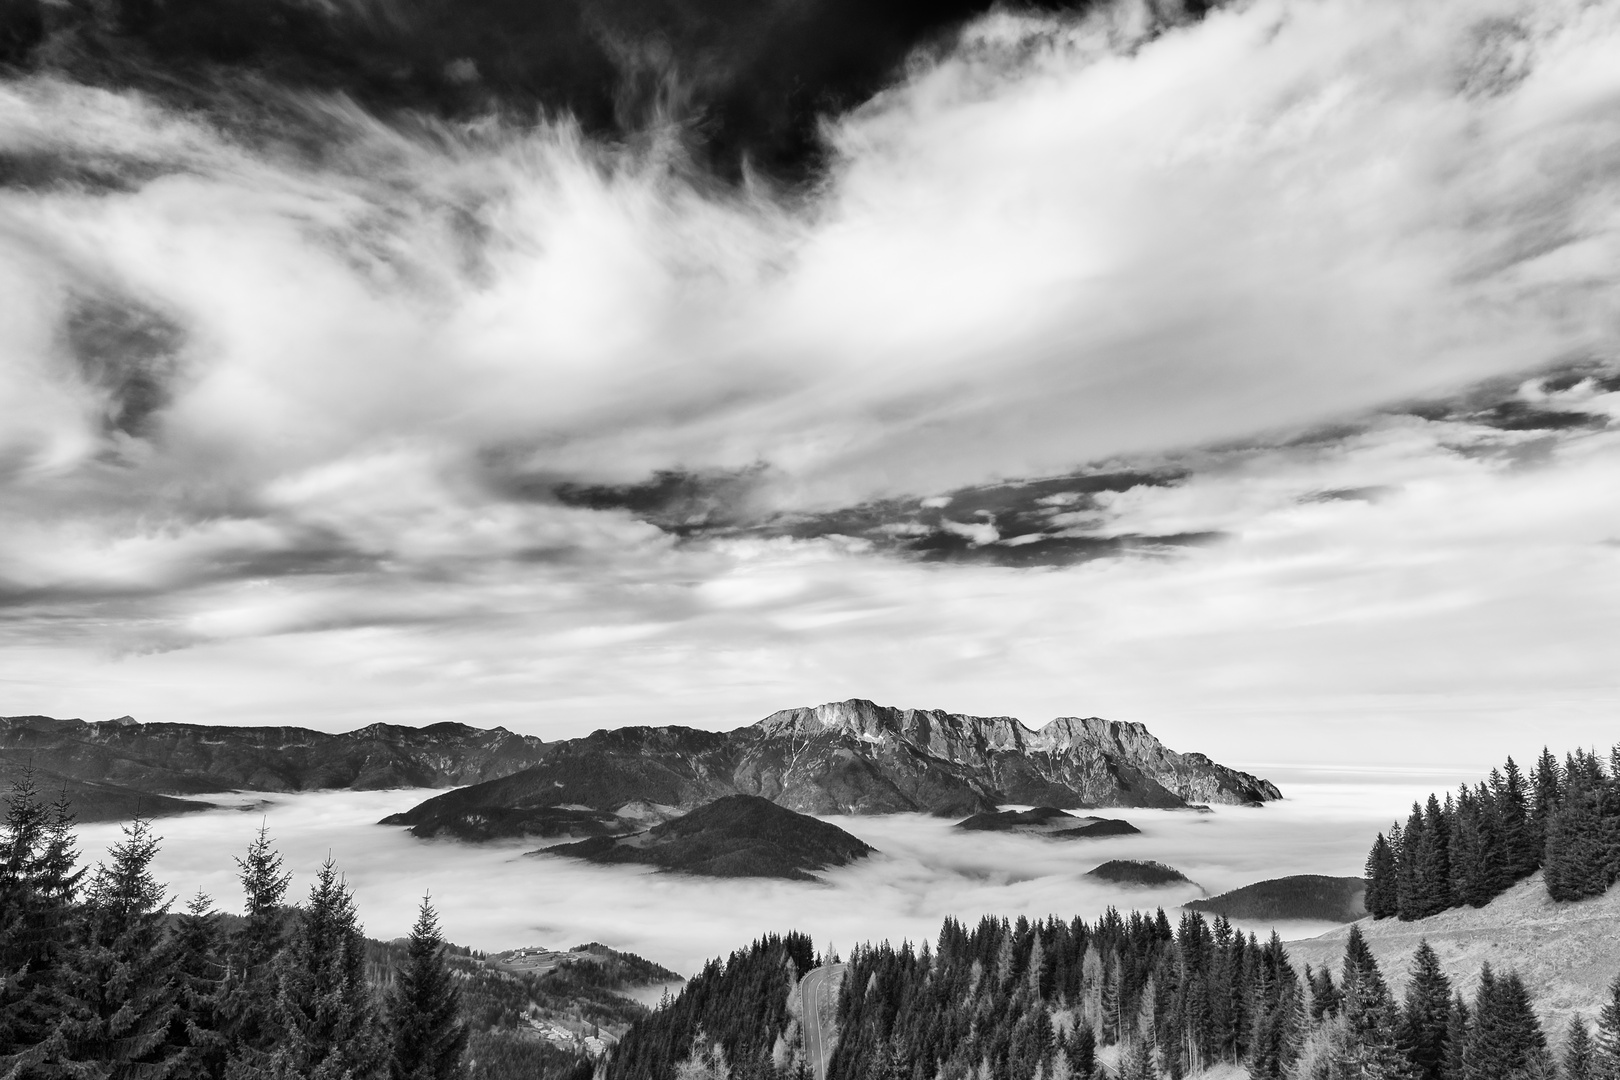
737	836
116	768
849	757
1300	896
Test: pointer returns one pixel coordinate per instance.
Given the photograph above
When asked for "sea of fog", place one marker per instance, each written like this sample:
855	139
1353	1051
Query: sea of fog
495	897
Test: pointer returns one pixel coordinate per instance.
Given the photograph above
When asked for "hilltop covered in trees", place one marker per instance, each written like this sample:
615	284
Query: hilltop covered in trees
1465	850
99	979
1055	1000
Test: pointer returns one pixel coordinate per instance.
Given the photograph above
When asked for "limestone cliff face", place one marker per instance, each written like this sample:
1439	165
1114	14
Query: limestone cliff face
854	757
1071	761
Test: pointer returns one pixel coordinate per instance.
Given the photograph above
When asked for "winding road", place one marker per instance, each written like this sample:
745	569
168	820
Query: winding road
816	995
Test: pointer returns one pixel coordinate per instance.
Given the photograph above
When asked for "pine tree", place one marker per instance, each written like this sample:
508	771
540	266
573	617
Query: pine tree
39	882
246	999
198	972
1369	1049
1081	1048
1425	1015
1549	789
325	1022
1518	832
1459	1024
1432	882
122	984
428	1033
1606	1053
1382	899
1408	899
1577	857
1578	1060
1506	1040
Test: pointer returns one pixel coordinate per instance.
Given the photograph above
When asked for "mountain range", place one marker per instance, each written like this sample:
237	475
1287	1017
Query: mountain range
113	769
847	757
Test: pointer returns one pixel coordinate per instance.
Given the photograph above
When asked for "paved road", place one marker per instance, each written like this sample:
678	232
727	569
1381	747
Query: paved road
816	995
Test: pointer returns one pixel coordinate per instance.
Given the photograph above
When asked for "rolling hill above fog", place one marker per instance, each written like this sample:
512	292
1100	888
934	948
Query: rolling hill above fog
114	768
737	836
848	757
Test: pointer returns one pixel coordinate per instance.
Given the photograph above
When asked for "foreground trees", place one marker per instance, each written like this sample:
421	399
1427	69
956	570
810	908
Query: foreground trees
108	984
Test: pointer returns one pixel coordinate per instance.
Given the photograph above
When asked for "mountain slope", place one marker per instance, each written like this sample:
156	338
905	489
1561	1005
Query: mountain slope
146	760
854	757
737	836
1566	952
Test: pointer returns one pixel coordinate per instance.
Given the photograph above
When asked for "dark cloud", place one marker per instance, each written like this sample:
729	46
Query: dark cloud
130	352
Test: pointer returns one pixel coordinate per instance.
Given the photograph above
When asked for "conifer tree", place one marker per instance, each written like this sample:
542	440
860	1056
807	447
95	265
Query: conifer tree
1459	1023
1577	1063
122	985
246	999
325	1023
1576	852
1081	1047
428	1033
1381	899
1518	832
39	882
1548	793
1369	1049
198	972
1408	899
1506	1040
1432	882
1425	1015
1606	1052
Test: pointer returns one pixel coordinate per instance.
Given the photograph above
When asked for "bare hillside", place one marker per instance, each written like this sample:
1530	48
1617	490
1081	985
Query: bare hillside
1566	953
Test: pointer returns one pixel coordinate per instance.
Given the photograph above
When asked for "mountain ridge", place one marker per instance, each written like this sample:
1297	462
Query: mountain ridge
850	757
113	768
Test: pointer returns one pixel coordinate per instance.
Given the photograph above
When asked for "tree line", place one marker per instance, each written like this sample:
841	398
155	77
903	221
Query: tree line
1041	1001
98	979
1465	849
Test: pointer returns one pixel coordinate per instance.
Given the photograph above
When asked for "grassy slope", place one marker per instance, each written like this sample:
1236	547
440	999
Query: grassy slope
1566	953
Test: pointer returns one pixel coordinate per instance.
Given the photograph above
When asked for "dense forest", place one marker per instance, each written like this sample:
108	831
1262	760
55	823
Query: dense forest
98	978
1131	998
1564	819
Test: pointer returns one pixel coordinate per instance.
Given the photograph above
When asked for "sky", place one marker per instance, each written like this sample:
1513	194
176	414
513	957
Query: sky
1253	377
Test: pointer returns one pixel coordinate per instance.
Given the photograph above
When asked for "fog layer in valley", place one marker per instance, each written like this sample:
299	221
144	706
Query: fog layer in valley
492	897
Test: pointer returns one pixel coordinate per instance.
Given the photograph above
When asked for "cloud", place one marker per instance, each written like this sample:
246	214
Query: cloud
453	420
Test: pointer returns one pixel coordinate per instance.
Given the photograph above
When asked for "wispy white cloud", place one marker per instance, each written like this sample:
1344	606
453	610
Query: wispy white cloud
1060	242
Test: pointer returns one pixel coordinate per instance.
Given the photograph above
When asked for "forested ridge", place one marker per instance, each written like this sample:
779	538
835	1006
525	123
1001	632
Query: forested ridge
1563	819
1128	997
99	979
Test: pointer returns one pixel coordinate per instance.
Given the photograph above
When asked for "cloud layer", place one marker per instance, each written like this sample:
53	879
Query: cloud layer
493	897
292	434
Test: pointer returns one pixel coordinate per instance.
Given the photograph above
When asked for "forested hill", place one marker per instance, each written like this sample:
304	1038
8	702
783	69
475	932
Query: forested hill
1563	820
1053	999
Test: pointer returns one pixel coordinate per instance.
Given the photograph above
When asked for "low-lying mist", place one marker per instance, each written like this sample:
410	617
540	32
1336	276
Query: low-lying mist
493	897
